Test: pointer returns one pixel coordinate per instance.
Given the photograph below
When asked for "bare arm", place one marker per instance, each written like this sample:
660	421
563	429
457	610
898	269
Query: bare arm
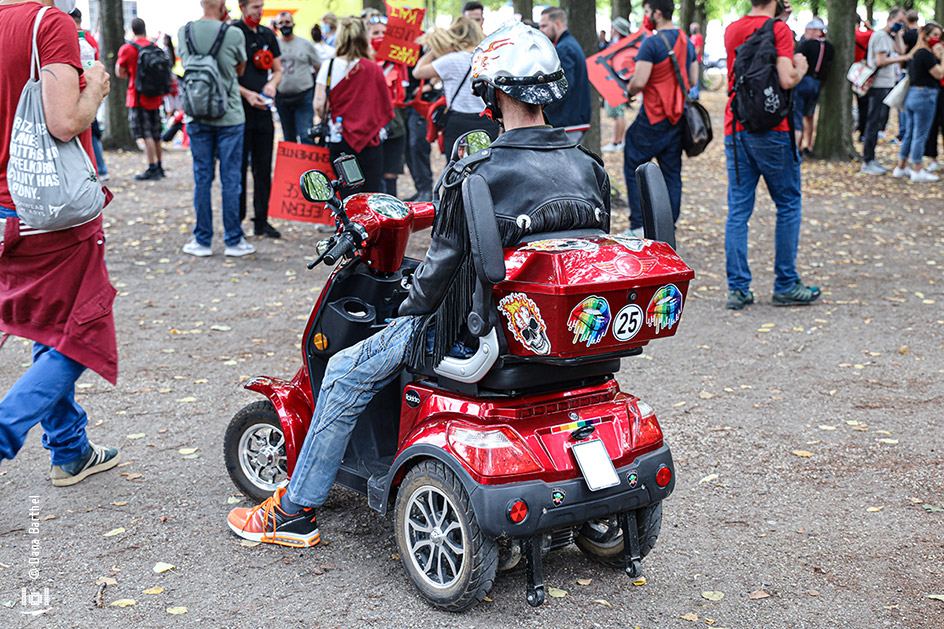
121	71
269	88
240	68
693	72
424	67
70	111
882	59
790	71
320	93
640	78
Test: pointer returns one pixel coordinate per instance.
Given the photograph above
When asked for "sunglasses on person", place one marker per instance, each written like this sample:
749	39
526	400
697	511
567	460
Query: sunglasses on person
377	19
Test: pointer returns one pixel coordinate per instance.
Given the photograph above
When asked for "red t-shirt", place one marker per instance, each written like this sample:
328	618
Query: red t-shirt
58	42
862	38
93	44
698	41
735	35
128	59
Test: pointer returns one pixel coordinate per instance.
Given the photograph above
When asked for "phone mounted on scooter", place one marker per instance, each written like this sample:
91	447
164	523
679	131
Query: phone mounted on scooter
348	171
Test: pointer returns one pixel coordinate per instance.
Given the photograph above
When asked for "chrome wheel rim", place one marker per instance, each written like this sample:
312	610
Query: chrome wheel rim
262	456
435	537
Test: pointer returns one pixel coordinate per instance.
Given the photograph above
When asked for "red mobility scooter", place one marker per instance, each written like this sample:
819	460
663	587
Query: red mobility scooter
524	447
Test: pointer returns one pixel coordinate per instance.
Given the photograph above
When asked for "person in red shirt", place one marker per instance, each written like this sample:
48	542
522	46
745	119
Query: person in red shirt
771	154
862	36
54	287
144	112
698	41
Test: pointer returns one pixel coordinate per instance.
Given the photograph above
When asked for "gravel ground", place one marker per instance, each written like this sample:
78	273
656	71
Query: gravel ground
849	536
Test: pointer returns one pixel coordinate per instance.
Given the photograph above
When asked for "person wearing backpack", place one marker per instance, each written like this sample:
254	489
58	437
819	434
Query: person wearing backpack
148	72
215	122
657	130
759	141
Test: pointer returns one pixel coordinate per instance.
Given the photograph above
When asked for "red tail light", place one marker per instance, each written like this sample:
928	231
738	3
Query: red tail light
663	476
493	451
646	429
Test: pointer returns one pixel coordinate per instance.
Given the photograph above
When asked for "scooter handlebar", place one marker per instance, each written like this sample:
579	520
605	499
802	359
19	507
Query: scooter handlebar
343	245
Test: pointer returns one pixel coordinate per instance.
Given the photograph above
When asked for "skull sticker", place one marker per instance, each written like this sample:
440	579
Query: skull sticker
525	322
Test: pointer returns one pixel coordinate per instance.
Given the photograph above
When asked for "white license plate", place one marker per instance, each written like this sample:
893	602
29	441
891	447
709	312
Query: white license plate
595	464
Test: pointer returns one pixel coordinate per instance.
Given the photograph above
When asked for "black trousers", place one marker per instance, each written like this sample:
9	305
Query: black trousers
257	149
873	124
417	151
458	123
937	127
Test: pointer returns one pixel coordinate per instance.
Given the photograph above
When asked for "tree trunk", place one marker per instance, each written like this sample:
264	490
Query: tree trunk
701	15
870	12
525	8
686	15
834	130
939	11
815	7
117	131
375	4
622	8
582	24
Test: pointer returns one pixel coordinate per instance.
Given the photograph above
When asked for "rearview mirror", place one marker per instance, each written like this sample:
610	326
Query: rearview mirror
316	187
469	143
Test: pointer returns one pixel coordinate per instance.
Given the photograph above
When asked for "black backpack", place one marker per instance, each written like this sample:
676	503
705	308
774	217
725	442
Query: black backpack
759	103
154	70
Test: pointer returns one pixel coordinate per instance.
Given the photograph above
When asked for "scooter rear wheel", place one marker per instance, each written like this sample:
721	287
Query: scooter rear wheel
447	557
254	450
602	540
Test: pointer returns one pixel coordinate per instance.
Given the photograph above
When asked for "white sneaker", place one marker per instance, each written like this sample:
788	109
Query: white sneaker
933	167
873	168
612	147
900	173
241	248
194	248
923	175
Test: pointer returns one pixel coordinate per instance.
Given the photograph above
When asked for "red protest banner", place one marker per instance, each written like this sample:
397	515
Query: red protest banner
609	70
398	52
286	201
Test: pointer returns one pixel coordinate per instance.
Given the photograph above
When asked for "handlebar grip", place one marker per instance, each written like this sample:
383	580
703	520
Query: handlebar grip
343	246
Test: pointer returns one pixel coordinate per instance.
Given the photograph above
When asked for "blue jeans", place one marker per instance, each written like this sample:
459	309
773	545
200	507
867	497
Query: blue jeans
45	395
99	153
208	144
770	155
645	141
920	108
805	95
417	152
297	120
352	379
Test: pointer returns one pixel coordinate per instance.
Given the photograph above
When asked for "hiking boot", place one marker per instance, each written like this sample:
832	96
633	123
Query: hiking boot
96	459
268	523
152	173
268	231
241	248
873	168
799	295
194	248
738	299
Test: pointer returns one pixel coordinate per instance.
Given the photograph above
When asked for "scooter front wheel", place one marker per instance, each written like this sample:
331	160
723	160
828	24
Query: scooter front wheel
254	450
448	558
602	540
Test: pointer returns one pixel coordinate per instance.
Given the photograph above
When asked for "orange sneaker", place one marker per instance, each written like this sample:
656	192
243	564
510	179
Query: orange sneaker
268	523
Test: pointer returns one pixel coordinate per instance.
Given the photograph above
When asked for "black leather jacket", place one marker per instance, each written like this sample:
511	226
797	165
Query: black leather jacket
540	182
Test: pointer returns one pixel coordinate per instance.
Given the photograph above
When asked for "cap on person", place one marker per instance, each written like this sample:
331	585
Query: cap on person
817	24
621	26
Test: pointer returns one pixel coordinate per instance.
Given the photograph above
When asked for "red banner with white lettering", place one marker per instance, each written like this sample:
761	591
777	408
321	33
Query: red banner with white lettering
286	201
404	26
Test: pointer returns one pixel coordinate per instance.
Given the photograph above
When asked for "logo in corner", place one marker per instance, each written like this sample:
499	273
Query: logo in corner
412	398
633	479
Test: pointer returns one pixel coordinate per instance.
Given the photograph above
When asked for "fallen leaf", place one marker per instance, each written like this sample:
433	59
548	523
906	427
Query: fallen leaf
813	592
187	399
123	602
888	441
154	590
713	595
556	592
708	479
137	435
640	581
488	600
187	450
804	454
936	597
600	601
120	503
106	581
756	594
113	532
233	500
825	427
248	543
134	476
584	581
874	509
221	328
176	611
690	617
705	395
160	567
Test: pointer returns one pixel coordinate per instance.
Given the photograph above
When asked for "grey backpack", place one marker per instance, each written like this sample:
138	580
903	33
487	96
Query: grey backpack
53	184
203	90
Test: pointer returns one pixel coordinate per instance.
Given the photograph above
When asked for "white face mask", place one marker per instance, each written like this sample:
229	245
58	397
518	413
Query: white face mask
66	6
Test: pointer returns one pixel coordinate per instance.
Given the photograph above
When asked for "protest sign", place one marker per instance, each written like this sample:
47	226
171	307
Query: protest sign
404	26
286	201
609	70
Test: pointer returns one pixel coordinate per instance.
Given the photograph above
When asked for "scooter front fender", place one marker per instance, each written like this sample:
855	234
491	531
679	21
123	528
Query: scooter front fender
292	403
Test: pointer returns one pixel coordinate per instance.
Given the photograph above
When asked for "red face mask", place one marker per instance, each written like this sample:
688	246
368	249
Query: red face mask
250	21
648	24
375	42
934	41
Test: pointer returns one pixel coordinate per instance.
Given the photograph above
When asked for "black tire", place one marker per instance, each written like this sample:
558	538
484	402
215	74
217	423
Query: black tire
602	540
255	478
459	586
